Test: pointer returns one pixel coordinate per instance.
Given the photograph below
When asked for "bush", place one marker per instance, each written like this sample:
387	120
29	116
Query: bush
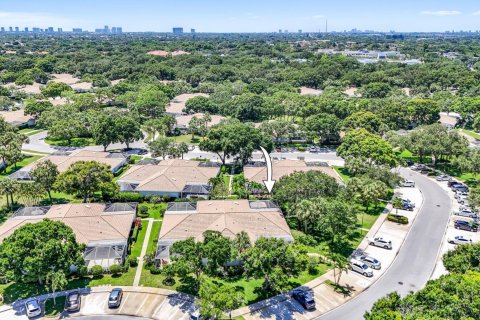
115	269
132	261
97	271
155	199
155	270
166	198
127	197
397	218
312	265
143	212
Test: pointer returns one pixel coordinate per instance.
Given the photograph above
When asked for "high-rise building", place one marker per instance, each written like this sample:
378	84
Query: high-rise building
26	29
49	30
116	29
192	30
77	30
299	30
280	30
60	30
17	29
2	29
177	30
106	29
10	29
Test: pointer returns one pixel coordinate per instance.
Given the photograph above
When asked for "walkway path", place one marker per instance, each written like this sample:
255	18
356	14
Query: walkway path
138	273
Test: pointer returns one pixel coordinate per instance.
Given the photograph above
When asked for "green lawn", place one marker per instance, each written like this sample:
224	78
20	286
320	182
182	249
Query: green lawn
472	134
187	138
76	142
13	291
155	210
19	165
152	242
54	310
30	131
343	173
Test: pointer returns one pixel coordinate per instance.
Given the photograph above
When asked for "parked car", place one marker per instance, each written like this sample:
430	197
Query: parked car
459	188
371	262
408	184
115	298
459	240
380	242
409	202
305	298
459	194
361	267
465	212
406	206
32	308
452	182
466	225
73	301
418	167
443	177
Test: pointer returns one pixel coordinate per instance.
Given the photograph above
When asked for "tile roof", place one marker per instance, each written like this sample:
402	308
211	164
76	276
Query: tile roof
282	168
178	103
169	175
184	121
229	217
15	117
89	222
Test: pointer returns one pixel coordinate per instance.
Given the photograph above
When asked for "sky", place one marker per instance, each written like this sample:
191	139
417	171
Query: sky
244	15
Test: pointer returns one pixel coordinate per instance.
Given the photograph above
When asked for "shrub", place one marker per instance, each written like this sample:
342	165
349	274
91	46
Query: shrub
149	259
143	212
115	269
166	198
97	271
169	272
127	197
397	218
155	199
132	261
312	265
155	271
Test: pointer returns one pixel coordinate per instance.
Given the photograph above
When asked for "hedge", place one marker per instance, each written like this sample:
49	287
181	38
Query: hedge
127	197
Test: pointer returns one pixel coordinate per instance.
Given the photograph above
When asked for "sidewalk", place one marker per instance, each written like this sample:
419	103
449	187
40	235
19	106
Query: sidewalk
283	307
138	273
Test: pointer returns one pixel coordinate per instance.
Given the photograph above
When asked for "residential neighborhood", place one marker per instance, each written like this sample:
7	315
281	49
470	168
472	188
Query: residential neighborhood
245	161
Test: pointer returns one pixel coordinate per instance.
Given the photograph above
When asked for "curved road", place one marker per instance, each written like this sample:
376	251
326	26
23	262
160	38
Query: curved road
105	317
416	259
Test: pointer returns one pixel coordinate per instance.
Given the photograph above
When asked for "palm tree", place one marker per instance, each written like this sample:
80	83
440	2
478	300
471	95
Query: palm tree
340	265
242	242
306	212
8	187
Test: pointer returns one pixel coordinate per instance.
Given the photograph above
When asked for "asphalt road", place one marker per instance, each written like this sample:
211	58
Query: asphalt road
115	317
415	262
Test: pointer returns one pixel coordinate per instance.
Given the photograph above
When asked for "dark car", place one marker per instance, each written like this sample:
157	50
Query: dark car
466	225
73	301
406	206
115	298
459	188
305	298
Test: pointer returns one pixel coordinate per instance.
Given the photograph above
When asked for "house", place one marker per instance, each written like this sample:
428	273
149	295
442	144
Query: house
257	171
176	106
183	220
183	121
174	178
18	118
449	119
104	228
306	91
64	160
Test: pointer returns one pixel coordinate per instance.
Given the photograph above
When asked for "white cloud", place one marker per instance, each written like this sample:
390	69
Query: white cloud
477	13
38	19
441	13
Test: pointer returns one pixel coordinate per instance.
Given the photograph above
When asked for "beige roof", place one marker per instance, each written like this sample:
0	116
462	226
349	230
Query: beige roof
31	88
169	175
305	91
162	53
448	119
178	103
282	168
183	121
351	92
82	86
229	217
63	162
89	222
58	101
65	78
15	117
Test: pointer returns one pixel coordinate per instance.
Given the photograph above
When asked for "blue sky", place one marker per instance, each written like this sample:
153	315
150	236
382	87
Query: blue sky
244	15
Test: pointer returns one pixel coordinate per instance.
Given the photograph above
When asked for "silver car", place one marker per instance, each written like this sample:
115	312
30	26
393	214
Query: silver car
380	242
443	177
371	262
361	267
408	184
32	308
465	212
459	240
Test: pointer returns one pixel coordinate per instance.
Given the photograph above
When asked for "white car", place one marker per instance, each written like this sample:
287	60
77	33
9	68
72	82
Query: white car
408	184
360	267
443	177
380	242
371	262
465	212
32	308
459	240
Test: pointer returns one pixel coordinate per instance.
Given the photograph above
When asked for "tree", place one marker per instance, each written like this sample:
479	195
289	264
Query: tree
216	299
241	243
194	126
55	89
154	127
56	280
105	129
182	148
361	144
200	104
128	129
160	147
10	144
474	199
187	255
275	261
150	102
217	249
340	265
423	111
8	187
463	258
36	249
469	161
279	130
30	193
233	138
375	90
45	174
86	178
364	119
35	108
323	126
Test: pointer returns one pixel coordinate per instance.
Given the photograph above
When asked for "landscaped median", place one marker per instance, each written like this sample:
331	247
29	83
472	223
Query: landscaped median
326	297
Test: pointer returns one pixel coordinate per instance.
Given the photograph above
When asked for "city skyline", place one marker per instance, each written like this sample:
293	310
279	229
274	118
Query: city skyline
245	16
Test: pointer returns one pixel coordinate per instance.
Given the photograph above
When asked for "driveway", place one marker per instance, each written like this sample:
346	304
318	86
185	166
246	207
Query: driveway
414	263
37	143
